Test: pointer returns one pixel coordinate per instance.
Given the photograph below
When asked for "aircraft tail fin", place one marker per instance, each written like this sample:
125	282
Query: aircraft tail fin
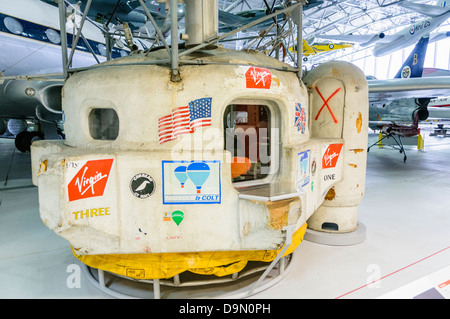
306	47
413	65
442	3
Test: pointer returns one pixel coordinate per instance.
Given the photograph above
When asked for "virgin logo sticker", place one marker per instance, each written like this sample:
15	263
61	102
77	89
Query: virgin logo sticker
258	78
90	180
331	155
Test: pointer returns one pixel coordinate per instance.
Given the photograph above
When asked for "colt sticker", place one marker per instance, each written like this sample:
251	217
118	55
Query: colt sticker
303	168
331	155
191	182
90	180
258	78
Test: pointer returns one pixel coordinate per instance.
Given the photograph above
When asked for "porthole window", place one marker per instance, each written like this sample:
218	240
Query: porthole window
119	43
13	25
102	49
103	124
248	139
53	36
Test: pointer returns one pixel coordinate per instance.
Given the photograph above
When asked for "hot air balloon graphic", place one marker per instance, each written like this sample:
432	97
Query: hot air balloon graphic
200	178
177	217
181	175
198	173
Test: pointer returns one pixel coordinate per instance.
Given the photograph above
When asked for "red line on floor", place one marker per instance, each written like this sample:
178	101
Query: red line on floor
392	273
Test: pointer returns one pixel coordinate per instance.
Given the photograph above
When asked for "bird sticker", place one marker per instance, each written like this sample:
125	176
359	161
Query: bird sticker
142	185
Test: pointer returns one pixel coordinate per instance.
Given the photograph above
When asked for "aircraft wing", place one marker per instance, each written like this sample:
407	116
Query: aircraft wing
439	36
241	18
359	38
22	99
426	87
425	9
231	19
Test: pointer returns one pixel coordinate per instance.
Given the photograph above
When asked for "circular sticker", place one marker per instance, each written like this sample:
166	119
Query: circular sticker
406	72
142	185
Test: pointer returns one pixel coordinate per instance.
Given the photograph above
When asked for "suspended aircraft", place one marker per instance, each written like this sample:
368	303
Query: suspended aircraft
385	44
229	21
31	48
113	11
316	48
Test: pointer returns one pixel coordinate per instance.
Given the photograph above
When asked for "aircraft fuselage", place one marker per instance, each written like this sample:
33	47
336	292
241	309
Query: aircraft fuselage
31	41
410	35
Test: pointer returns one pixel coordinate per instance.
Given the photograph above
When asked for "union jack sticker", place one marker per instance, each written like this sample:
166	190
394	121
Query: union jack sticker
300	118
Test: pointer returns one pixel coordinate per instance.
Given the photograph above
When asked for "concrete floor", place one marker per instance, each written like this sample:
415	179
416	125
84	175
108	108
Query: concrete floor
406	212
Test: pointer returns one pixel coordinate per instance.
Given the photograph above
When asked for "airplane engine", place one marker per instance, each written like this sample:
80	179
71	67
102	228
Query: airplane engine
45	95
374	39
223	167
41	100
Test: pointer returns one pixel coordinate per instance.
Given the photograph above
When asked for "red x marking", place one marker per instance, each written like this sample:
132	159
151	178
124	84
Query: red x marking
325	103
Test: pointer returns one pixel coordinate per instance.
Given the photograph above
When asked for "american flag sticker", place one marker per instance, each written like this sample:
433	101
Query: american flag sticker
185	120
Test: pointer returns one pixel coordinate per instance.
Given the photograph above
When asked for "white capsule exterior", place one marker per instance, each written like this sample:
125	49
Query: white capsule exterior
117	185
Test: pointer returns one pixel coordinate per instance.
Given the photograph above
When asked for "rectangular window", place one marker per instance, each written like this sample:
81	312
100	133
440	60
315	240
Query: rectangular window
248	139
103	124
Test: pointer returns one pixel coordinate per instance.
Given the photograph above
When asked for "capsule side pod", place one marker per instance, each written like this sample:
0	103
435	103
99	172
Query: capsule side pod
339	92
